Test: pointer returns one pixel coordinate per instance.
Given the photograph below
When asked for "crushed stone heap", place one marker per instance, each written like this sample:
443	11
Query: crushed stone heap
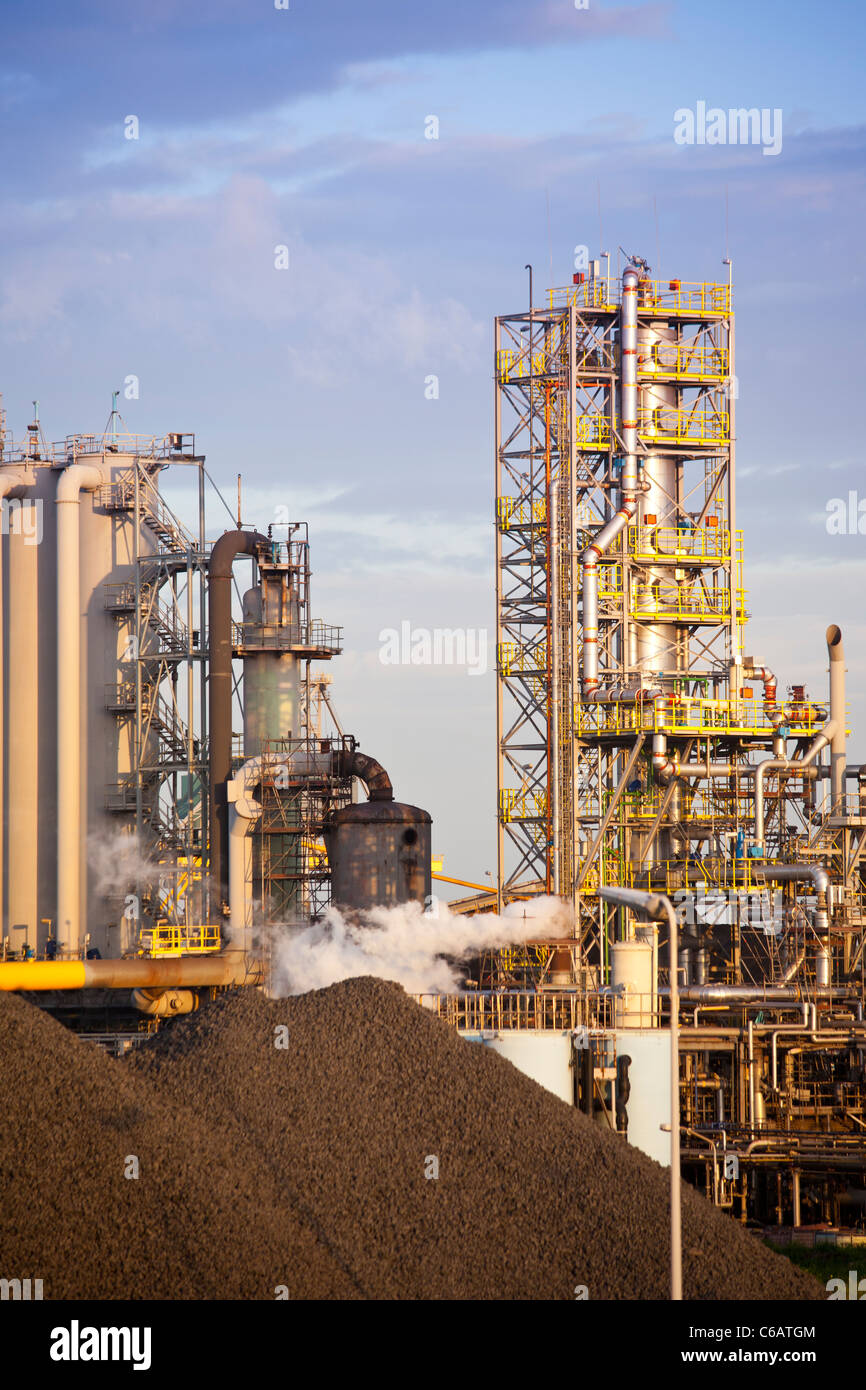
287	1142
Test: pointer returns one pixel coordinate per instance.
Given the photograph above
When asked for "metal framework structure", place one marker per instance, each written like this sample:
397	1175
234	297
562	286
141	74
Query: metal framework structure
160	688
670	598
290	866
640	746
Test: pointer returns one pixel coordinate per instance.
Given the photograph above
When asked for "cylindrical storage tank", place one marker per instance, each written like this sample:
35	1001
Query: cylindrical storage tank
655	643
379	853
632	974
30	715
271	681
36	691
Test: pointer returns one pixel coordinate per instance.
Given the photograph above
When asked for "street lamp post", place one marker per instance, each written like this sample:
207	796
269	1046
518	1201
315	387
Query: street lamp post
656	906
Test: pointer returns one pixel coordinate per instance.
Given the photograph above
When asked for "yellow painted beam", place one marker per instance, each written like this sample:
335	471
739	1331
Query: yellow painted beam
464	883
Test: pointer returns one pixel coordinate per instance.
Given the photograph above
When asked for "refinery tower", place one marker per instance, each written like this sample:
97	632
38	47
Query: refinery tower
642	745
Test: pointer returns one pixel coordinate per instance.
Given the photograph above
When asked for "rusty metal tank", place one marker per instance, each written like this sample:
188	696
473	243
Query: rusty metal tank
379	853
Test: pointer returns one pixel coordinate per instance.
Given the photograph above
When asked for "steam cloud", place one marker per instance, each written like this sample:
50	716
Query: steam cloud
419	950
116	860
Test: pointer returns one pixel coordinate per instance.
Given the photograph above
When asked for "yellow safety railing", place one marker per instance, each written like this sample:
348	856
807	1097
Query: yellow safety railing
609	581
687	297
686	361
512	657
685	606
495	1011
519	511
687	715
519	805
690	298
512	364
171	939
592	429
592	294
704	424
699	542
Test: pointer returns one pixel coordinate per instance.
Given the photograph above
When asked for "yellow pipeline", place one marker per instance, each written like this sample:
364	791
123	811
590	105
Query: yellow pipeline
42	974
141	972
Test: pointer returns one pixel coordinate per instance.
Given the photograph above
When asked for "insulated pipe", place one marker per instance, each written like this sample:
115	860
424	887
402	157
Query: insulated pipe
784	764
764	674
755	994
792	873
243	811
222	557
77	478
836	654
628	481
13	482
224	968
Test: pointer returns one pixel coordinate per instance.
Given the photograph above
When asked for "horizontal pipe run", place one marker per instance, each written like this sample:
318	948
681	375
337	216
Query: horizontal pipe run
225	968
756	994
794	873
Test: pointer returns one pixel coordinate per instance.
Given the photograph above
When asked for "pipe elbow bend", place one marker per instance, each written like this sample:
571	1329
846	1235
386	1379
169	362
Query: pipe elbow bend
78	478
371	773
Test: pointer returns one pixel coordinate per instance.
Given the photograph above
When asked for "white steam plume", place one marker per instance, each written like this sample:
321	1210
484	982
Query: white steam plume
116	860
418	950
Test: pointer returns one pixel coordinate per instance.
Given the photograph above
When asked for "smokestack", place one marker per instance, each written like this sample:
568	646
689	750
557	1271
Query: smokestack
836	654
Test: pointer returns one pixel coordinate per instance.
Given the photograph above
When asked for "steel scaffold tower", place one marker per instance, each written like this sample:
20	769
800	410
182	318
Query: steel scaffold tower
160	693
670	605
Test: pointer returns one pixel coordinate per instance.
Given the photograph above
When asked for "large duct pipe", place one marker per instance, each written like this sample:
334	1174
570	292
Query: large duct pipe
222	557
783	765
75	479
354	764
836	653
628	482
225	968
793	873
13	483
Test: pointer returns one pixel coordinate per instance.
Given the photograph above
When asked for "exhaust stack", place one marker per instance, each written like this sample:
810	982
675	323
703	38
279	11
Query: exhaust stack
836	654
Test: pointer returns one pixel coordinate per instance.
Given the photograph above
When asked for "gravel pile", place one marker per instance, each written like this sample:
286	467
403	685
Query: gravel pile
198	1222
289	1142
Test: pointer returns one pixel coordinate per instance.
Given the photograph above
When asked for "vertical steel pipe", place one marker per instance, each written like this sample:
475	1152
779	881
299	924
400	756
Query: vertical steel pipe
836	654
222	557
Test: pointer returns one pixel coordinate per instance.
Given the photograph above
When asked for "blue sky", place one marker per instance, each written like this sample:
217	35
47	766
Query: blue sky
305	128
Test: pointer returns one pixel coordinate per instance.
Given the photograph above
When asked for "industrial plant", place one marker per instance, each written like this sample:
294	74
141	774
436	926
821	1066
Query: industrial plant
177	785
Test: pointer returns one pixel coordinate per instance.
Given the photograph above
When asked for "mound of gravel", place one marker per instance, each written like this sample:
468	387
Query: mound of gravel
345	1096
199	1222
